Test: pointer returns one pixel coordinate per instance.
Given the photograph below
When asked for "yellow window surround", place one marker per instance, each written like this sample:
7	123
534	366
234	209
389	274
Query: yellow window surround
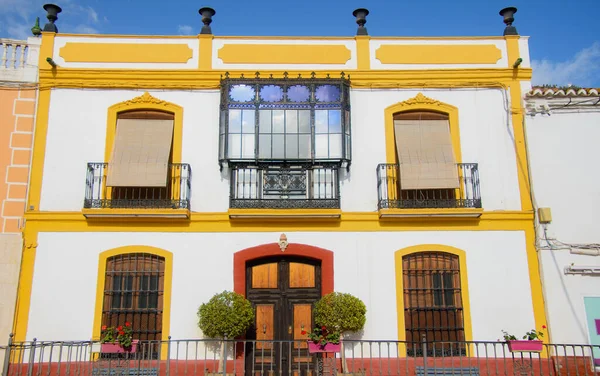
464	286
168	280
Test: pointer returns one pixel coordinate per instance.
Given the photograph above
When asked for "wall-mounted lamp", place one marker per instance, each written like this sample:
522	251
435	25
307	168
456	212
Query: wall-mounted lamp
517	63
51	62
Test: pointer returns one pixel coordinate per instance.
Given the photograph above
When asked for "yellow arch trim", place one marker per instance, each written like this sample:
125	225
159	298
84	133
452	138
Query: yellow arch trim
145	102
423	103
166	319
464	286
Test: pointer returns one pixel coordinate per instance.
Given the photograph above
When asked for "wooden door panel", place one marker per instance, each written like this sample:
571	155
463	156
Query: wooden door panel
302	275
265	325
302	322
265	276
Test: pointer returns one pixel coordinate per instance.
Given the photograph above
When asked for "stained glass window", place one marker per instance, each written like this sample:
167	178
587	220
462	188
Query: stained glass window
285	119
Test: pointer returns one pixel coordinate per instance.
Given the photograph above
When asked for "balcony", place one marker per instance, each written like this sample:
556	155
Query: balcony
309	190
172	200
393	201
19	59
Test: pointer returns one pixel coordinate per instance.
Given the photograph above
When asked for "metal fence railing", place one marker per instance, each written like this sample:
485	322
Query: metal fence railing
253	357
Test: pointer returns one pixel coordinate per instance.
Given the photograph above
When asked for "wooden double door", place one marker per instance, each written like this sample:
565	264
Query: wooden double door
283	291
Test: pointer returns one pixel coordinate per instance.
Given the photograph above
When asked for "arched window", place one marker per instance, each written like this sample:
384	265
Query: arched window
133	292
428	173
433	303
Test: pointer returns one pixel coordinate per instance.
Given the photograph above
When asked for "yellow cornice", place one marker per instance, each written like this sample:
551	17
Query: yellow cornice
204	79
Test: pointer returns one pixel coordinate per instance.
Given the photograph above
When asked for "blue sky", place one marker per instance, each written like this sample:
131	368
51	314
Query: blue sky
564	43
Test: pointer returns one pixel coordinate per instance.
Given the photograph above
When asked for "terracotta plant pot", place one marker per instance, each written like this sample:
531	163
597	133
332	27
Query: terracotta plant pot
327	348
115	348
523	346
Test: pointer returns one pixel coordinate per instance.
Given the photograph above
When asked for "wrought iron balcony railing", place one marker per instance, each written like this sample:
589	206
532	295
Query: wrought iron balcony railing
175	195
284	187
392	196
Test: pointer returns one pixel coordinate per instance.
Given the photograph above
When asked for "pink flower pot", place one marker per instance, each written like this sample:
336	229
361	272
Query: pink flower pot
327	348
522	345
115	348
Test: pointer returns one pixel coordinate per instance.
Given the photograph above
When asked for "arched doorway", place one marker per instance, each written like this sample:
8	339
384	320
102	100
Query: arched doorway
283	287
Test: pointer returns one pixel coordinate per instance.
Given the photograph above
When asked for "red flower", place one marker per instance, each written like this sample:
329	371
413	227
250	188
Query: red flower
303	332
543	326
103	327
127	323
323	327
121	333
120	328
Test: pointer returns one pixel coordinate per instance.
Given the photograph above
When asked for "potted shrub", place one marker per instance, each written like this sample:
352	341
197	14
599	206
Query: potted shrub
117	339
341	313
225	315
530	343
323	340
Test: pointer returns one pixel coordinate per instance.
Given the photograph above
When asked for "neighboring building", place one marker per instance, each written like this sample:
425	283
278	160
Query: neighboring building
396	168
18	91
563	126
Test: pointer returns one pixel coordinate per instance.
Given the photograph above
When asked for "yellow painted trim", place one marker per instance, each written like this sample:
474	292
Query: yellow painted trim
448	214
220	222
438	54
284	54
516	108
205	50
535	278
293	214
102	214
246	37
41	125
21	319
363	52
74	52
420	102
184	79
168	282
440	38
145	102
464	286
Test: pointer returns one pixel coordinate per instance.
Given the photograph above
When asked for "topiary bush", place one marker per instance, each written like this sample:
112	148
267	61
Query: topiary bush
342	312
226	314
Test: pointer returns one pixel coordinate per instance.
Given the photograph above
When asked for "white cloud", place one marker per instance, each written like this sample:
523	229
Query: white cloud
582	70
84	29
185	30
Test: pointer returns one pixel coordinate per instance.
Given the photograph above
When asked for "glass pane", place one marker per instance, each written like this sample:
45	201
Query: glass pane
291	121
264	146
298	93
248	117
291	146
321	121
116	296
128	296
335	121
222	120
271	93
241	93
347	122
248	146
234	149
347	147
278	146
264	121
304	121
235	121
327	93
321	146
221	146
335	145
278	121
304	146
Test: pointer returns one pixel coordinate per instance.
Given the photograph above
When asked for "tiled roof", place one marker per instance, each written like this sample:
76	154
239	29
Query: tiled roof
555	92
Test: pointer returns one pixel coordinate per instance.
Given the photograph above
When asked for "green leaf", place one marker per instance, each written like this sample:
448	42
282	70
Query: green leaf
226	314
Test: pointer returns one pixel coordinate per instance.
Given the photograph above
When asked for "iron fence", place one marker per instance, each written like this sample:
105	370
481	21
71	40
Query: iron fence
254	357
393	195
175	194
